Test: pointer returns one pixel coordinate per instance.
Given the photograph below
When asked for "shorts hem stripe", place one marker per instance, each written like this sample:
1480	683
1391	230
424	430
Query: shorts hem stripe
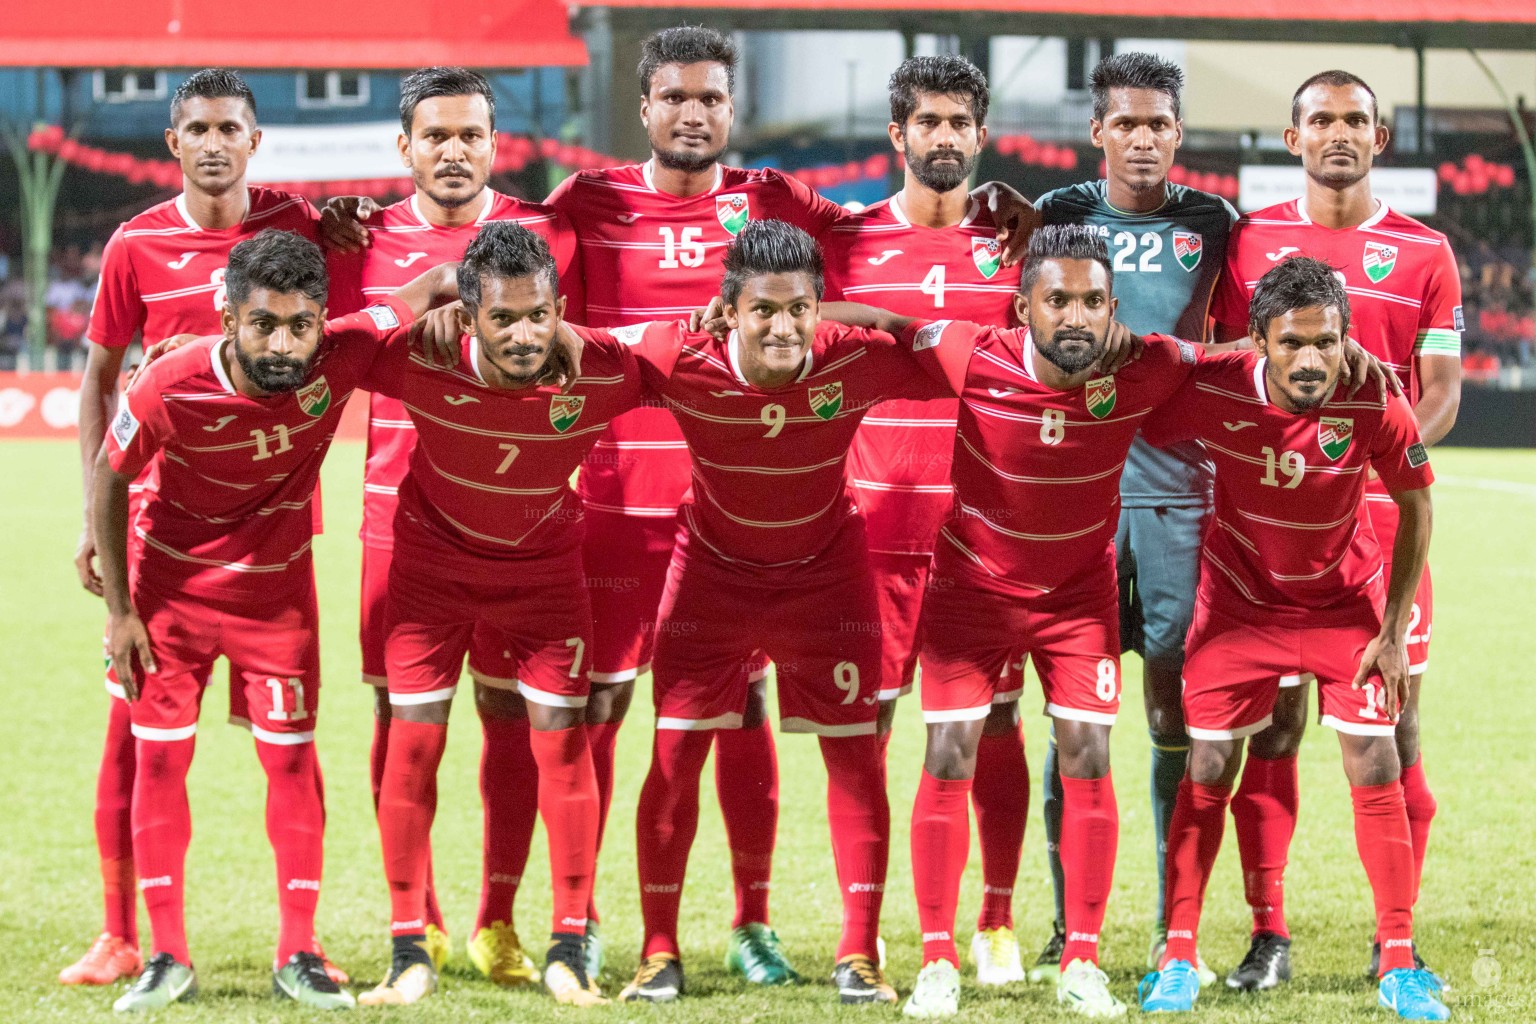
805	725
1357	728
116	690
239	722
493	682
893	693
627	675
758	675
1007	696
1078	715
1230	734
1419	669
146	732
282	739
425	697
1294	679
551	700
956	714
370	679
731	720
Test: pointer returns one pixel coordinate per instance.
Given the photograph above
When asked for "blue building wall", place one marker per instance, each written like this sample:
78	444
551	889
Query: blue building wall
532	101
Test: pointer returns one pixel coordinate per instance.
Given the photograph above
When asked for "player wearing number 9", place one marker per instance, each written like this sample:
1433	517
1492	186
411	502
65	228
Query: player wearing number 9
1290	582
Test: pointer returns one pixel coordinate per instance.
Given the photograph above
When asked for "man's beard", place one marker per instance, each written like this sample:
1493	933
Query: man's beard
447	200
1072	362
1301	401
935	176
275	375
1341	177
689	162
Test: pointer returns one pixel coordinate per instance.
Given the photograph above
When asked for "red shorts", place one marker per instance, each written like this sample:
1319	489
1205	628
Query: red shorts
900	581
1384	516
1231	669
533	638
626	559
972	635
819	623
485	647
273	649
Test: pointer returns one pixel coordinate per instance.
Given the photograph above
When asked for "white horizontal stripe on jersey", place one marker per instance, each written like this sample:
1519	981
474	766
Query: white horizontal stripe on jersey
1292	525
838	364
251	442
879	485
285	506
657	246
650	446
503	541
642	313
917	286
956	543
646	511
1017	369
617	186
176	293
380	489
482	432
384	424
1019	478
233	485
693	532
201	396
237	567
1422	239
702	489
885	421
770	470
488	488
1254	460
1309	576
181	230
1020	535
1236	396
273	211
706	357
680	409
1233	577
1019	417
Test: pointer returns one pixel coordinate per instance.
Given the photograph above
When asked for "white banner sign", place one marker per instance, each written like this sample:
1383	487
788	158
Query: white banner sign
332	152
1410	190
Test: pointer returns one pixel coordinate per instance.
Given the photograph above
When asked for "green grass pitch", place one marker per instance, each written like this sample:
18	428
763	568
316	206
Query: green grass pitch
1474	921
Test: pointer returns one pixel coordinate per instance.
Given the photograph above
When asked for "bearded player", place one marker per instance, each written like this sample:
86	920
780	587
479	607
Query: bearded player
243	421
1405	294
1292	580
931	250
1168	243
448	141
163	274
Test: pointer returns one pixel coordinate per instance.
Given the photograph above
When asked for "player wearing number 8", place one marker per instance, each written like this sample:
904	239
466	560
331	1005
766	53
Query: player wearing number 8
1291	581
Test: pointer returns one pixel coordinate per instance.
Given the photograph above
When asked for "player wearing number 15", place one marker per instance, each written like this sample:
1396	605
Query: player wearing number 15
237	426
1291	581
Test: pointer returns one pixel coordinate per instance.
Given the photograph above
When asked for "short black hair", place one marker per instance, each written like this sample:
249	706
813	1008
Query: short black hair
1134	70
1334	79
212	84
770	247
504	249
441	81
1300	282
944	75
687	44
278	260
1062	242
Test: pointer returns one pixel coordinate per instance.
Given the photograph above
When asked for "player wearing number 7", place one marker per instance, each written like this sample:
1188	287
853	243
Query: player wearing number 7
1291	580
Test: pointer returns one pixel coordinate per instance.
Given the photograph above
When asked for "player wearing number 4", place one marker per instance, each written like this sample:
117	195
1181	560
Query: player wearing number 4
1291	581
236	427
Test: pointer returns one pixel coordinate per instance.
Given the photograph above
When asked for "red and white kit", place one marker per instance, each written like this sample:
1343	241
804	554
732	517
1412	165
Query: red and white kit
226	525
162	275
899	465
649	255
1025	565
1291	576
404	246
769	530
488	531
1405	304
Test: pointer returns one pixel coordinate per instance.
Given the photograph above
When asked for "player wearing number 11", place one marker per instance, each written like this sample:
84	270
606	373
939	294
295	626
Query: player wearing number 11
1291	580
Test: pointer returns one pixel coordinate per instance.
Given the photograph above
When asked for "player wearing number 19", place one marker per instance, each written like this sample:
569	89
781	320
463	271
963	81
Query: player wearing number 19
162	274
1291	580
237	427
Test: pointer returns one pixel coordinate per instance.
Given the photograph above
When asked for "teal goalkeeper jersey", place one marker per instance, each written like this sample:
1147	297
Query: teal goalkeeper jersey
1165	268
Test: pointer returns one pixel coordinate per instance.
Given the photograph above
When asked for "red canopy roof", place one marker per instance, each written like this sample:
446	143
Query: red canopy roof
1225	10
289	34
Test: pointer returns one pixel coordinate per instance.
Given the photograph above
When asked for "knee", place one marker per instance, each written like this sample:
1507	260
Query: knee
1209	764
1085	754
609	703
1407	736
951	752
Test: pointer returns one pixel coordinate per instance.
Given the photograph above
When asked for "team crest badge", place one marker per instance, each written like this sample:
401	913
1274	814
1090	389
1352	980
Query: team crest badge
827	399
1099	393
988	254
564	411
1378	261
314	398
1334	435
1187	249
733	212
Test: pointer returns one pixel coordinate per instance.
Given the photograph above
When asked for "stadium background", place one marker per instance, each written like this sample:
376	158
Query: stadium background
1454	80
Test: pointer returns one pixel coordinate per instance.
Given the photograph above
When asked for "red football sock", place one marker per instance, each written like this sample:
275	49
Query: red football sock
1264	816
666	821
510	796
941	842
568	804
884	740
377	752
407	805
747	781
1090	835
859	817
1001	797
296	830
1421	811
602	740
1386	850
1194	839
114	825
162	829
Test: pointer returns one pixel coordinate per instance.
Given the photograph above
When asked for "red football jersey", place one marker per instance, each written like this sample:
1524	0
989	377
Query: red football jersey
162	275
488	495
899	465
405	245
1401	277
1291	538
228	511
1037	471
768	466
649	255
